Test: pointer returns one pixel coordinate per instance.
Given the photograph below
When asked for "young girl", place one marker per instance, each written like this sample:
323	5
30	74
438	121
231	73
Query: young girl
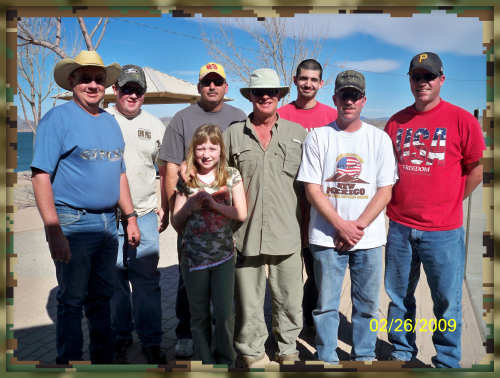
204	208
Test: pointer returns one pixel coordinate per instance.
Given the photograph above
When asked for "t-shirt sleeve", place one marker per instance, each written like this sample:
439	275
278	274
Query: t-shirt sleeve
386	163
48	147
472	141
310	168
235	176
172	147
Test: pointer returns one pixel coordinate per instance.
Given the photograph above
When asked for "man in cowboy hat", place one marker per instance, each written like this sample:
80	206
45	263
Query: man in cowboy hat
211	108
138	267
78	176
267	149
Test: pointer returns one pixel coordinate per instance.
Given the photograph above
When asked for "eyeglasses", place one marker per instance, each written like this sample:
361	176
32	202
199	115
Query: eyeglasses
426	76
87	79
353	96
127	89
208	82
271	92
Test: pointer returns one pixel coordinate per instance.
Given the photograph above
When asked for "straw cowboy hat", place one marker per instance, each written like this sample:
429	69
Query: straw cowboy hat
264	78
86	58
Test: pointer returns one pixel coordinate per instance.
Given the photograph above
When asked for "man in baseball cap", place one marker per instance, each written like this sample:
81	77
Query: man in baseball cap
348	171
78	176
138	266
438	147
211	108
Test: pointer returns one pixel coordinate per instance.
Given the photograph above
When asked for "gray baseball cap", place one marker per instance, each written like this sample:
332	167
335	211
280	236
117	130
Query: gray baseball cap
350	79
132	74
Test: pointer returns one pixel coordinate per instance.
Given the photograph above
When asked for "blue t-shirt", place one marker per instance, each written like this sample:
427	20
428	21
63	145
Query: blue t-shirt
83	154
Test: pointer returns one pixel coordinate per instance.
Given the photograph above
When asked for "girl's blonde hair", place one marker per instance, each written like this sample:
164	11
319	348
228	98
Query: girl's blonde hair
201	135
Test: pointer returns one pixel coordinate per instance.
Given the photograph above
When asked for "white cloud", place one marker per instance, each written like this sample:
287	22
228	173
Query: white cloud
185	73
372	65
437	31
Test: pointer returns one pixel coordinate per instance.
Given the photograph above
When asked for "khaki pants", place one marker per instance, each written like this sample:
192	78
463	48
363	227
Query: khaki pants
285	283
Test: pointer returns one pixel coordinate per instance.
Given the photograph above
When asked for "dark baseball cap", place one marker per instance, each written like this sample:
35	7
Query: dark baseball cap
350	79
427	60
132	74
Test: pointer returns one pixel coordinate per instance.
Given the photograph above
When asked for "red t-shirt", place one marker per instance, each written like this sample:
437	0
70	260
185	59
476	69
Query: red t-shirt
433	148
317	116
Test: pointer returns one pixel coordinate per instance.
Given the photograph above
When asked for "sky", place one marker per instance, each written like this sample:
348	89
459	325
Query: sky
378	45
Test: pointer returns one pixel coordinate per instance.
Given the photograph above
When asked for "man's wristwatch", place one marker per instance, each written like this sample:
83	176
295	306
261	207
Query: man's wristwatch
134	214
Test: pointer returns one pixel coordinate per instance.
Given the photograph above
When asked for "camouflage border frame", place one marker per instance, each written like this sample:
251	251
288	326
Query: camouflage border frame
9	139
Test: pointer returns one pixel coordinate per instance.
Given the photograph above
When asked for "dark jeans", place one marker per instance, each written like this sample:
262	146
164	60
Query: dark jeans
86	283
310	300
183	329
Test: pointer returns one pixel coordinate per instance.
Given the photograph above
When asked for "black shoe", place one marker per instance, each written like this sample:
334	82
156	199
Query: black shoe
122	346
394	358
155	355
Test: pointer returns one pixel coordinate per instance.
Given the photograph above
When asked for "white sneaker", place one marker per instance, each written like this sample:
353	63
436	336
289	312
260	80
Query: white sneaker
184	348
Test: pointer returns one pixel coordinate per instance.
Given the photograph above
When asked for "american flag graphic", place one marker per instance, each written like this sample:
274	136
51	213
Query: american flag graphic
438	147
350	166
406	146
418	157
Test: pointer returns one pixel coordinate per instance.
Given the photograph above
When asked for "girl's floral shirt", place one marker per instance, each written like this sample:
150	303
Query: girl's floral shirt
207	238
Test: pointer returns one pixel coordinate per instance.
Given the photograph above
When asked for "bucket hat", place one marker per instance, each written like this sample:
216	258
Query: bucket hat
264	78
64	68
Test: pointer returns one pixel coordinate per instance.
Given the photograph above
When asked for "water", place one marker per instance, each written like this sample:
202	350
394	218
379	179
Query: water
24	151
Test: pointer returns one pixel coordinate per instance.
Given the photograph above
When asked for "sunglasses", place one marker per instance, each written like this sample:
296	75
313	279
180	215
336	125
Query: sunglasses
87	79
353	96
127	89
271	92
208	82
426	76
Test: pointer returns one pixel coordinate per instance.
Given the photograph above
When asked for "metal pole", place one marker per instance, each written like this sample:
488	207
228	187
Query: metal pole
476	114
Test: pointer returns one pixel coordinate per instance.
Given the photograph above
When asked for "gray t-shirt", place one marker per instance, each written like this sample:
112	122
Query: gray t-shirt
180	131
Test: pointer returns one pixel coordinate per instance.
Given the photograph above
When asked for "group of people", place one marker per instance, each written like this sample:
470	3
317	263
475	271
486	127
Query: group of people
252	198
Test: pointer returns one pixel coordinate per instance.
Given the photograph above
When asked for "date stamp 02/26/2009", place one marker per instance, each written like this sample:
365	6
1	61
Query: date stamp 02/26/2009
410	326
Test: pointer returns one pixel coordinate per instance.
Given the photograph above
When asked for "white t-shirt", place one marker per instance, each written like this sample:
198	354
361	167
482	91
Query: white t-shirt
349	167
143	135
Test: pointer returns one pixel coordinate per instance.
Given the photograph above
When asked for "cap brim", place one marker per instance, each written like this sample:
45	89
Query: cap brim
209	72
244	91
430	69
339	89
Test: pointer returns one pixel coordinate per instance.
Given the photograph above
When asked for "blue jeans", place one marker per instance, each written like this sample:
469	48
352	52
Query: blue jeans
366	277
141	308
442	254
86	282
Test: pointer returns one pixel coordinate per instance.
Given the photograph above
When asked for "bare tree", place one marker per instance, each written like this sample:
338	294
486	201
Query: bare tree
277	45
41	43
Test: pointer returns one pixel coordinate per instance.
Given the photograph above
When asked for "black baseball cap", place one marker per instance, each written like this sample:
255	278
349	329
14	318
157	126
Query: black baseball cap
428	61
132	74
